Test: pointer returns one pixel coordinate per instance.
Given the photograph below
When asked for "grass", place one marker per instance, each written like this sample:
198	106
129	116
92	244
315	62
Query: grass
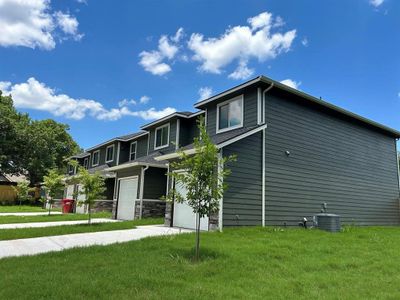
246	263
22	233
22	208
51	218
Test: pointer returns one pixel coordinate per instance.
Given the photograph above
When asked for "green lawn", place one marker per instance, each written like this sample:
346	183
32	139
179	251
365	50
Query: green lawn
22	233
247	263
22	208
51	218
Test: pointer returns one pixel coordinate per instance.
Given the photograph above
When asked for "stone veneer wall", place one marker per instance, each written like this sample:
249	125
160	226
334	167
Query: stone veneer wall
151	208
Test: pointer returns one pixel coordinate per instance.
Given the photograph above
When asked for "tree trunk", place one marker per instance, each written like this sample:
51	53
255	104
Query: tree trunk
89	212
197	237
49	206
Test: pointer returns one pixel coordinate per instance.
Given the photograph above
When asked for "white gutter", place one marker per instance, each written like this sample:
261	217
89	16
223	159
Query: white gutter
141	189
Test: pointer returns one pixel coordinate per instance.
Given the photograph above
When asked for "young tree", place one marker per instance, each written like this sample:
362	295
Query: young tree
53	183
93	188
22	189
203	178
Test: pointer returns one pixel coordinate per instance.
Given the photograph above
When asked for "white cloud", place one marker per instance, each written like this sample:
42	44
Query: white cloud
291	83
304	42
144	99
68	24
36	95
126	102
376	3
205	92
168	47
242	71
240	43
31	23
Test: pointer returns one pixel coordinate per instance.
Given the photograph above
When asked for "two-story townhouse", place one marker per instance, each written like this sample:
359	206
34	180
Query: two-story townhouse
141	180
100	157
295	152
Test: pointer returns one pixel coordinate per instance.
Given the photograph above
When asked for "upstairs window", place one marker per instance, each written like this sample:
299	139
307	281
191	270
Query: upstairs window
230	114
132	152
70	169
109	153
161	137
95	158
86	163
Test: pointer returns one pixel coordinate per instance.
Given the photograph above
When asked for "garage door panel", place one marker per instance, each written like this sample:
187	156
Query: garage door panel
183	214
126	198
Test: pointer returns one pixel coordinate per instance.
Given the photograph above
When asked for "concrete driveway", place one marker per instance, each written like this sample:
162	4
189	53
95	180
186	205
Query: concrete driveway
38	245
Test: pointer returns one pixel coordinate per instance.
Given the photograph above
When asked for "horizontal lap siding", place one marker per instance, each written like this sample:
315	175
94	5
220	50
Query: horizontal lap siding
242	200
343	163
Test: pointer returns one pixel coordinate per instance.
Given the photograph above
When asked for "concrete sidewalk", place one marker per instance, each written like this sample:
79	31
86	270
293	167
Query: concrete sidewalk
61	242
52	224
29	213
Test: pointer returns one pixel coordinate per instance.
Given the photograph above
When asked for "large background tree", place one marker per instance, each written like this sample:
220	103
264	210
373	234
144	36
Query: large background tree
32	147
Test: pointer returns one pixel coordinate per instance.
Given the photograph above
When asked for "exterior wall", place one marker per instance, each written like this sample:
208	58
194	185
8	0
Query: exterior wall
188	131
332	159
172	136
150	209
140	151
155	183
242	202
250	110
102	160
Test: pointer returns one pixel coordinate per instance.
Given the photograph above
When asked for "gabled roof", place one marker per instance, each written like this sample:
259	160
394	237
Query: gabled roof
122	138
180	114
148	160
311	99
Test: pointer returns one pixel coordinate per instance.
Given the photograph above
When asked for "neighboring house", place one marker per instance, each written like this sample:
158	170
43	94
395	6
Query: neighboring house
141	180
8	183
294	152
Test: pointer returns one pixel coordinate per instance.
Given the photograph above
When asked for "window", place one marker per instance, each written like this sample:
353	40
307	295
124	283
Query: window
95	158
86	163
132	151
230	114
109	153
161	137
70	169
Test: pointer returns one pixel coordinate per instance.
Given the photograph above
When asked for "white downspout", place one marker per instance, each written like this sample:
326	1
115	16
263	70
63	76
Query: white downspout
263	198
141	190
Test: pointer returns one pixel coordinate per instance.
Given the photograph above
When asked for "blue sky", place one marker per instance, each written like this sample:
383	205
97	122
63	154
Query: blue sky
108	67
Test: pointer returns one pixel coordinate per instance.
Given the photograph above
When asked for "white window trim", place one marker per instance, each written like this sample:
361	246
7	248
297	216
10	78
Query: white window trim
130	150
241	98
86	159
113	153
155	136
98	162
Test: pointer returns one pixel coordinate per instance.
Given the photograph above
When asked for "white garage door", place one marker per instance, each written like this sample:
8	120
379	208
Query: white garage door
81	209
70	192
183	214
126	198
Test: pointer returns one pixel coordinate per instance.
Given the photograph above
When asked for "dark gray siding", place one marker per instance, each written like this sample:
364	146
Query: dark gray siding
155	183
102	160
172	137
141	149
250	110
242	204
332	159
188	131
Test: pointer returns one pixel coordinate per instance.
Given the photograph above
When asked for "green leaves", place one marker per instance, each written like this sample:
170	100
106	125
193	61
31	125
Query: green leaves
32	146
201	174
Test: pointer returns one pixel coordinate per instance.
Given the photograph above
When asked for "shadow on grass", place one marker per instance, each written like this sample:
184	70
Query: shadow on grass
188	255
